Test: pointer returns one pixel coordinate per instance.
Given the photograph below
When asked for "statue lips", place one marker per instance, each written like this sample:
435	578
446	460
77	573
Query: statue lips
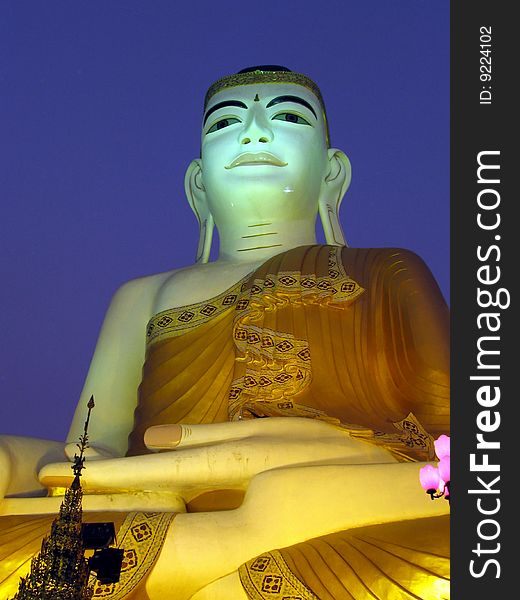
256	158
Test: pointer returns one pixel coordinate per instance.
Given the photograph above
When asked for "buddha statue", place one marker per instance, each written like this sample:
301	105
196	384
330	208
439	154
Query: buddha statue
260	419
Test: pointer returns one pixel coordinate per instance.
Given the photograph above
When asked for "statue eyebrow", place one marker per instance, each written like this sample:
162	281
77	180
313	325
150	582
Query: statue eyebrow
296	99
221	105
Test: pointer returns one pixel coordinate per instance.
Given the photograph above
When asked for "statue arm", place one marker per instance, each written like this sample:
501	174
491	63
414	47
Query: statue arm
20	460
115	372
214	456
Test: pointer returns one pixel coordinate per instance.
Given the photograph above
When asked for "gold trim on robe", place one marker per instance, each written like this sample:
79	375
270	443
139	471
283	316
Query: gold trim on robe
268	576
141	535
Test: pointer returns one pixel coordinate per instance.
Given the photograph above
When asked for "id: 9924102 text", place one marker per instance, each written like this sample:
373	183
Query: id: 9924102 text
485	65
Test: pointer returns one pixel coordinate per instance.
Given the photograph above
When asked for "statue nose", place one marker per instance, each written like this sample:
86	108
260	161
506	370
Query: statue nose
256	131
247	140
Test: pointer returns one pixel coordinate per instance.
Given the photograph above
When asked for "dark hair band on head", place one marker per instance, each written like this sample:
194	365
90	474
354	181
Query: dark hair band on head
268	74
265	68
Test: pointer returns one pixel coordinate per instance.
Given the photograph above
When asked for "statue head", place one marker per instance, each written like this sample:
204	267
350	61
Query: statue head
265	155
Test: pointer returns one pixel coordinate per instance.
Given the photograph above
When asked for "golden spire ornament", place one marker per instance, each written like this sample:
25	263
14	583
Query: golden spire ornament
60	571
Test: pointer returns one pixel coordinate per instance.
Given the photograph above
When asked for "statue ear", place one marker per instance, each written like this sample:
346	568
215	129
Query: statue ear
333	188
196	194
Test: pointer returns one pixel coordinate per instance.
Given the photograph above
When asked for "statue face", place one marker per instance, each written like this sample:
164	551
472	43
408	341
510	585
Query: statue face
264	153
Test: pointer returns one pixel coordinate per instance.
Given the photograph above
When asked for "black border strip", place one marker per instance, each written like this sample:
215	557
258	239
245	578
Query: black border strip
478	127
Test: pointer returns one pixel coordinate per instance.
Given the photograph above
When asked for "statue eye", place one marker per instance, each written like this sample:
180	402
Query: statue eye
291	118
222	123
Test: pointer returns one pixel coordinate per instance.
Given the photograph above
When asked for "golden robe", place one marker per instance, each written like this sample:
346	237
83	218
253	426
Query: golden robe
357	337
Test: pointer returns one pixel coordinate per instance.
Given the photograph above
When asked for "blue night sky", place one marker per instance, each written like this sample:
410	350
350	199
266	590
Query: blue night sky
100	115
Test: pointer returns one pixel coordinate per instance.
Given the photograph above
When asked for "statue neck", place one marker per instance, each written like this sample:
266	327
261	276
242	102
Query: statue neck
257	241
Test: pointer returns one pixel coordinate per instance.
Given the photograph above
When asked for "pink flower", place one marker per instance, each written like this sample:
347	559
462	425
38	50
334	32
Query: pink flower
444	468
429	477
442	446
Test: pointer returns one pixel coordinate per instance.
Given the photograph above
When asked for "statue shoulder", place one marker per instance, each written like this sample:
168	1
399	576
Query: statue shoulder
136	297
146	285
365	264
197	283
143	297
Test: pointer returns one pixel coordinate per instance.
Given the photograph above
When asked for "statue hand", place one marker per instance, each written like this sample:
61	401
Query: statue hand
90	453
5	469
20	459
220	455
61	472
282	429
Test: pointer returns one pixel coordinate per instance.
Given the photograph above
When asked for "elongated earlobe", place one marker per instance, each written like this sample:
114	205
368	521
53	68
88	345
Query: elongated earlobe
205	239
333	189
196	194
